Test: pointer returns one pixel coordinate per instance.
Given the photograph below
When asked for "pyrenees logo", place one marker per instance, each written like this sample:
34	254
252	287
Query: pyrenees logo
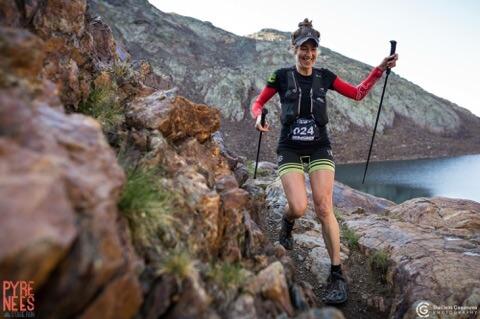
18	299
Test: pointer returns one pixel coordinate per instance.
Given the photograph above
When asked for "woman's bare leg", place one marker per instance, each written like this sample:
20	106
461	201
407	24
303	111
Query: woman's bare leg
322	191
295	191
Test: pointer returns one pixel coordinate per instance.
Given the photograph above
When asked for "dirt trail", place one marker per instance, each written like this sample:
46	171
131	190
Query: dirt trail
369	297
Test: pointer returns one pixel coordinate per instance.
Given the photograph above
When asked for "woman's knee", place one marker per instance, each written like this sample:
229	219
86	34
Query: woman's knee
323	208
297	208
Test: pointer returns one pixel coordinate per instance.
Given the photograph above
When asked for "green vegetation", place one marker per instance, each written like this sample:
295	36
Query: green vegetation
148	207
102	104
378	262
251	170
180	264
338	214
121	71
141	193
227	275
350	237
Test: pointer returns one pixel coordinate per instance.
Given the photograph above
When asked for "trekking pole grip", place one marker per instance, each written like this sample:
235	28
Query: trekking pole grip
264	115
393	47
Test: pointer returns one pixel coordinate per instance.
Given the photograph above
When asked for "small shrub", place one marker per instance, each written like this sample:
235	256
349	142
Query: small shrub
250	167
141	191
338	215
378	262
121	71
102	104
148	208
180	264
350	237
227	275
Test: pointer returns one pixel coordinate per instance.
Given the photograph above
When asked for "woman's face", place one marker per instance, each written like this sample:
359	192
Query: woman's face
306	55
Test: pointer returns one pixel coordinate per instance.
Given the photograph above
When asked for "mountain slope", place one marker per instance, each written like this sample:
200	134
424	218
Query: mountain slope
213	66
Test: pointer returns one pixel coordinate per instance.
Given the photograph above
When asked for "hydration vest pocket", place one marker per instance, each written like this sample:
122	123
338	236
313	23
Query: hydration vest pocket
319	109
289	107
289	113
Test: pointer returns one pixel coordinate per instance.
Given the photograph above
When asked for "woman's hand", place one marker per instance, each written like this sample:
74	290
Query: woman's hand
389	62
259	127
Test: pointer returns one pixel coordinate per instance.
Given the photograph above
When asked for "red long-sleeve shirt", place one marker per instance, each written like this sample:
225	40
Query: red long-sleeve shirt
346	89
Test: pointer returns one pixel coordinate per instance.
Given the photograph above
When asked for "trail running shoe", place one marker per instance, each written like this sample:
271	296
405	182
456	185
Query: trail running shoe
285	237
336	289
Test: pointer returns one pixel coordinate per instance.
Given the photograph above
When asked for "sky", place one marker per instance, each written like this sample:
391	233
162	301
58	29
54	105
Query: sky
438	42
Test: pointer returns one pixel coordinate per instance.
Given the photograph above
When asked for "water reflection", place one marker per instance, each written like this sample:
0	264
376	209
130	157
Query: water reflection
402	180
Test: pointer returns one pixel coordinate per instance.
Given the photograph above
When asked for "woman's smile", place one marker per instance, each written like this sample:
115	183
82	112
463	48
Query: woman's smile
306	55
307	60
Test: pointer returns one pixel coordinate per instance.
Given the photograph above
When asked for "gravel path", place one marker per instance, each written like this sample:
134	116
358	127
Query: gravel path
369	298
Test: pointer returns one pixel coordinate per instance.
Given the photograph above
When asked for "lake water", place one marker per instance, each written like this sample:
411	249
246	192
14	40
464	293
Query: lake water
456	177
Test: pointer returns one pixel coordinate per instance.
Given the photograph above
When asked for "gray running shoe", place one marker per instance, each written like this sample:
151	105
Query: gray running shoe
336	289
285	237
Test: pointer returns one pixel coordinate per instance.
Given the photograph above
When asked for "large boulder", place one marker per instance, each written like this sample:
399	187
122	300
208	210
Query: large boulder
272	284
452	216
433	252
175	117
59	188
349	199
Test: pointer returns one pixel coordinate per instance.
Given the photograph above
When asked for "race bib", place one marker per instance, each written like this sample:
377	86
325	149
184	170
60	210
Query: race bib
304	130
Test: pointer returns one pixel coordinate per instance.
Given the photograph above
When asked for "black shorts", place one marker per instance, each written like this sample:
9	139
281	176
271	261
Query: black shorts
290	160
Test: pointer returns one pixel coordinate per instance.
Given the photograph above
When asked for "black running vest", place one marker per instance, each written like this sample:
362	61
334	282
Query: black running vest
293	97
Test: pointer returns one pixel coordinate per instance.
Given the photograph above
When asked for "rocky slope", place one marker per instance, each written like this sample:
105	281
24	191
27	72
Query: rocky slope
170	233
58	187
212	66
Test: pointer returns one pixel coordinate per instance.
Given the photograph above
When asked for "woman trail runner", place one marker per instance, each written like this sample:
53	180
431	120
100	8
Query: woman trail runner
304	142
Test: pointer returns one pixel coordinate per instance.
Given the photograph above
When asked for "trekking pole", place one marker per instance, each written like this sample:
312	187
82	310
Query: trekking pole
393	46
262	122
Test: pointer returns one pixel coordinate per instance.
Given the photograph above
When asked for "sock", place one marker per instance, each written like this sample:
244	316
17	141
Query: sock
290	222
336	268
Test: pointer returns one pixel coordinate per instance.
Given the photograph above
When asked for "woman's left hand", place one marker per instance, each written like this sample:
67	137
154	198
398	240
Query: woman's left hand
389	62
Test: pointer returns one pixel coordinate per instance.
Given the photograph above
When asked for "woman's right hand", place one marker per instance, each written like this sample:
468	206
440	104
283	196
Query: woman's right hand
259	127
389	62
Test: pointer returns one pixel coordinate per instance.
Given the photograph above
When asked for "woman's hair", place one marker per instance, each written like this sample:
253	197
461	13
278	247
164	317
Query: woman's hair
304	27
